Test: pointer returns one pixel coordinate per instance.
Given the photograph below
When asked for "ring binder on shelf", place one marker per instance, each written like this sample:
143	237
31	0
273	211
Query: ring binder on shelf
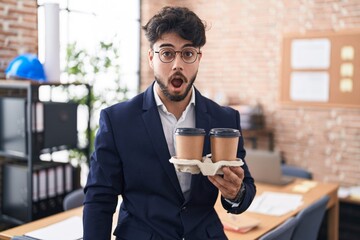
48	188
60	180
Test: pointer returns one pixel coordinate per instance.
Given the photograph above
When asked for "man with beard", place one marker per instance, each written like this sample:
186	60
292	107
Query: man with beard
136	140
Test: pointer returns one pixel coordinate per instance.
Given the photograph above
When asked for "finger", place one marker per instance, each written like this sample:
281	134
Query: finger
231	176
227	189
234	176
239	171
220	184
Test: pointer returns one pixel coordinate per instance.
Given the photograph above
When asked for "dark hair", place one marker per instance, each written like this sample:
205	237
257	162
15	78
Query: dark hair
179	20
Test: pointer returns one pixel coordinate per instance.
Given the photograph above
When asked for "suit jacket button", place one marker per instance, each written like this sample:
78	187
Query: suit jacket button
183	209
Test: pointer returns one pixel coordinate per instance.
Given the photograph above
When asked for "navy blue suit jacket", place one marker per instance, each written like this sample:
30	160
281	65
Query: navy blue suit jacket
131	159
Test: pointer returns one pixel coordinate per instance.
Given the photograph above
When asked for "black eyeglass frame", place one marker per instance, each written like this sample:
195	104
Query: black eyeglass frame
181	55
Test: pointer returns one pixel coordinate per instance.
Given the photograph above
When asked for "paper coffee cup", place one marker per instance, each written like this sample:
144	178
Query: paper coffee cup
224	144
189	143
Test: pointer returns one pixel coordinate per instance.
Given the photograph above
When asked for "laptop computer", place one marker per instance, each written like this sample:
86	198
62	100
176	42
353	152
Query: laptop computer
265	167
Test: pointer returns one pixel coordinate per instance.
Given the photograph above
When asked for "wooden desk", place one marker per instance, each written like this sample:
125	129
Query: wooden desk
267	222
353	200
21	230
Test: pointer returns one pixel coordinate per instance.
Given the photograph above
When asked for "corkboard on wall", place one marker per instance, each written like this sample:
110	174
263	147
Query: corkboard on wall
321	70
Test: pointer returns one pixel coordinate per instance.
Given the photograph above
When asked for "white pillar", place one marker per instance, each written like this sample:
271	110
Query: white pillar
52	42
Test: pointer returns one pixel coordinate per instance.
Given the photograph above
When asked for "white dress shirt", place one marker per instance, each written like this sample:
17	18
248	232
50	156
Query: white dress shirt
169	124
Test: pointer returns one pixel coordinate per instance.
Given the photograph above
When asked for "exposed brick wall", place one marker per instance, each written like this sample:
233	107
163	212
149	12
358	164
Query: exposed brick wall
242	59
18	30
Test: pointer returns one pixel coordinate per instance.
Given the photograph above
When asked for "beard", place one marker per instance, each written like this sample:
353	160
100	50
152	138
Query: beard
175	97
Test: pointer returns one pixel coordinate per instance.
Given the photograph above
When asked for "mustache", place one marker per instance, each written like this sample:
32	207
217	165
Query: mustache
178	75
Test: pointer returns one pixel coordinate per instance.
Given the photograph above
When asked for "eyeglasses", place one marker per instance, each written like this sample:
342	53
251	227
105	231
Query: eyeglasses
188	55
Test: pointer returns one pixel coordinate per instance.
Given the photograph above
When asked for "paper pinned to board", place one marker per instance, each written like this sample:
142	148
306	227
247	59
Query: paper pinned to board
68	229
310	53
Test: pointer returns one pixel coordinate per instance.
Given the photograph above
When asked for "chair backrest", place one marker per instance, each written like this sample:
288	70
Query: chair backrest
74	199
309	220
295	172
281	232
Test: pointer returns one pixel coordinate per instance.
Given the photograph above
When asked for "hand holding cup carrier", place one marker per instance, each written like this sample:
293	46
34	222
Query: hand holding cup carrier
189	148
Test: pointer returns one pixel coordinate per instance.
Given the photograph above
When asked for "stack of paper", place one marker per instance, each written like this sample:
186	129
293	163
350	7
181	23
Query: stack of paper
239	223
69	229
304	186
277	204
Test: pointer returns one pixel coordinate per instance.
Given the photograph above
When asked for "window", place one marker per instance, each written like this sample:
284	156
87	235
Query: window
89	22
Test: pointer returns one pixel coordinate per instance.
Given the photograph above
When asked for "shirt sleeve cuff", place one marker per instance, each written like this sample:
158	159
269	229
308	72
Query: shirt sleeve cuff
233	204
239	197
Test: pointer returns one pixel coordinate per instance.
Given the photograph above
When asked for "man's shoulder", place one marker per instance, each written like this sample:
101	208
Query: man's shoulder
215	108
221	116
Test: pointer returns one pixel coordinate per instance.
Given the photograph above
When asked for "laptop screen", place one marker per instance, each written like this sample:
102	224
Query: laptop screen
265	166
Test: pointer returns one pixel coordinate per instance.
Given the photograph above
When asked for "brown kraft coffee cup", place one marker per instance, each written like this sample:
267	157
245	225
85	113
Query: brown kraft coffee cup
189	143
224	144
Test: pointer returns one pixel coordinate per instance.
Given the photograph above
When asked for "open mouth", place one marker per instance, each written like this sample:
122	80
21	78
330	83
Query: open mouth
177	82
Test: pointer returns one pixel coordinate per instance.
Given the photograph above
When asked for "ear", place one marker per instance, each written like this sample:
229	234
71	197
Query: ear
150	58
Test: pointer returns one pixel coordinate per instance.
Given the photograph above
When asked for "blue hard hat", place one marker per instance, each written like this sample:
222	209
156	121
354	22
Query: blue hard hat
26	66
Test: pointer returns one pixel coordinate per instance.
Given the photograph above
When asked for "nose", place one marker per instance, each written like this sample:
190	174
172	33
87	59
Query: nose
178	62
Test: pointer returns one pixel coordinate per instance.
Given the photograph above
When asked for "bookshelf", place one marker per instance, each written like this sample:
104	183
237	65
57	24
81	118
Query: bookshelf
39	126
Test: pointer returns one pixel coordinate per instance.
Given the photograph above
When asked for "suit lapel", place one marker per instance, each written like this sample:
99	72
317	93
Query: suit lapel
203	120
153	125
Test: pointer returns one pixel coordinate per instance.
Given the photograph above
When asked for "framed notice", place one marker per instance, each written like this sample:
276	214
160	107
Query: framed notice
321	70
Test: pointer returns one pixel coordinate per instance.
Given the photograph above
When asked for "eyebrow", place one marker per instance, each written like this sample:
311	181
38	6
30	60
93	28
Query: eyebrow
170	45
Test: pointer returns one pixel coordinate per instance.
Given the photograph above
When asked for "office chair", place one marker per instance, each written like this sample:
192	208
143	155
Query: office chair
74	199
295	172
309	220
283	231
